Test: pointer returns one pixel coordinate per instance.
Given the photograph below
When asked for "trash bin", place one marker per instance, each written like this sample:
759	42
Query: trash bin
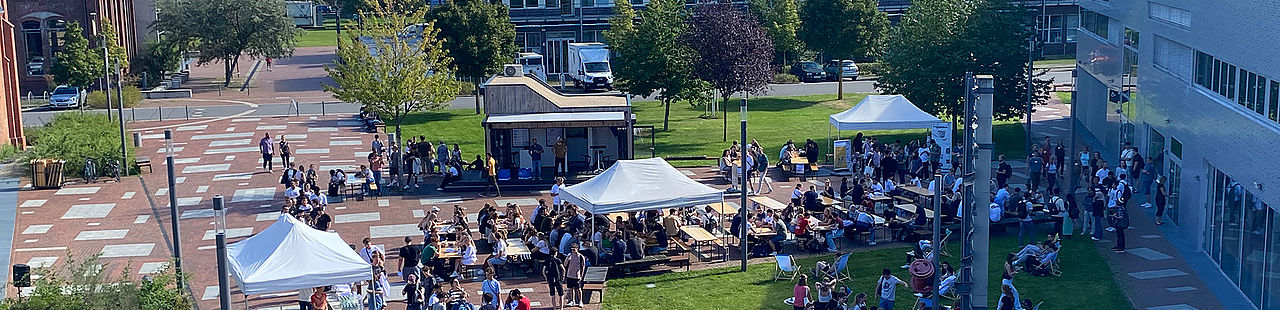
46	173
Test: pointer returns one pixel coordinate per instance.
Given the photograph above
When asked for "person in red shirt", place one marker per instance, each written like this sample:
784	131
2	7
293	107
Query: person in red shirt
802	224
520	302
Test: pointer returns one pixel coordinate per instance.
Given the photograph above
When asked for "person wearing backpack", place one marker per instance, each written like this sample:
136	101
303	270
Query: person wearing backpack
1058	209
1073	214
1120	220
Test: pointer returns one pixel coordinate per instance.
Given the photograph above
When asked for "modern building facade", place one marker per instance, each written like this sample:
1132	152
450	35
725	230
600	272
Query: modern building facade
41	28
1195	85
547	26
11	121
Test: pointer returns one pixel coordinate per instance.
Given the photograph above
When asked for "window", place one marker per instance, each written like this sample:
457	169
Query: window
566	7
1050	32
1242	231
587	3
1173	57
1204	67
553	3
1131	37
1073	22
516	4
1175	147
1243	99
1260	102
530	4
1095	23
1275	101
1231	81
1169	14
57	32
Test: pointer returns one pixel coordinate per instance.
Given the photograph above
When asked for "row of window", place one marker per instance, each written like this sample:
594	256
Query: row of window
1169	14
1246	88
1243	238
1059	27
1095	23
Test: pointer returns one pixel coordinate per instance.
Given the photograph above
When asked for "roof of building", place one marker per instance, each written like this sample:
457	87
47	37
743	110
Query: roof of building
560	100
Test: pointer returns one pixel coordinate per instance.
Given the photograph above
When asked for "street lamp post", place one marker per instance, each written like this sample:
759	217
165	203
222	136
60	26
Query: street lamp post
220	228
124	151
173	204
106	64
742	206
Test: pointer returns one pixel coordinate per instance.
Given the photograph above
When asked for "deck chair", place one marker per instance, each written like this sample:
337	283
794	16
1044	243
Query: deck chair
786	268
942	247
842	268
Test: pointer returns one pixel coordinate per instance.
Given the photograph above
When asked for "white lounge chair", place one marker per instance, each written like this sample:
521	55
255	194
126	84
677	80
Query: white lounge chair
786	267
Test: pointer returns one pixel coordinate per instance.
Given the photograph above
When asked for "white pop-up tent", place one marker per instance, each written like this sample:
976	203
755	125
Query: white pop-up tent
882	112
290	255
639	185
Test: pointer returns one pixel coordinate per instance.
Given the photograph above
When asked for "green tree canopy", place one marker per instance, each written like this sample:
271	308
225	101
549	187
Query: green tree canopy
844	29
781	21
652	55
391	74
224	30
115	50
734	54
82	284
75	64
479	36
939	40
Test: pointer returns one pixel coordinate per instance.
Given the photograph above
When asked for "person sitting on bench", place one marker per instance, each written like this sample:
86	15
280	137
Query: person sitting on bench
449	177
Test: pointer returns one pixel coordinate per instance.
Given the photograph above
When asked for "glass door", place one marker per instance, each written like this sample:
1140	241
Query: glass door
1174	179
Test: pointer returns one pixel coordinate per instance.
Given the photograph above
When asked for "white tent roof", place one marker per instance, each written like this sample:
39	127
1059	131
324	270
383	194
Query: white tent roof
290	255
638	185
880	112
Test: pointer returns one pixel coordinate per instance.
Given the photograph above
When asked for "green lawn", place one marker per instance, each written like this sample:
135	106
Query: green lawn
1064	96
318	37
1086	282
773	120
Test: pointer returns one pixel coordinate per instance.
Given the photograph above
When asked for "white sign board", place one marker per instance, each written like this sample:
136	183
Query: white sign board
941	134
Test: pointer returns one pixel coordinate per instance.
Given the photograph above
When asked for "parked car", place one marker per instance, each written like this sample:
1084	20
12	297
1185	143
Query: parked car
66	97
841	69
35	66
808	71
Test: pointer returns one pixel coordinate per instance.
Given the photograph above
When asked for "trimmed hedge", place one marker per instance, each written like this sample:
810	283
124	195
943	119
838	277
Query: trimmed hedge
96	100
871	68
785	78
73	137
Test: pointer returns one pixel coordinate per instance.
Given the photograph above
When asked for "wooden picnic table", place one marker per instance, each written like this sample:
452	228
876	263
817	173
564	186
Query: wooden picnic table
596	275
910	208
701	237
769	203
763	232
919	191
880	198
725	208
516	247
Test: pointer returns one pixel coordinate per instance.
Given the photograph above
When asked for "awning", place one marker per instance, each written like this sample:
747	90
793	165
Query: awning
541	120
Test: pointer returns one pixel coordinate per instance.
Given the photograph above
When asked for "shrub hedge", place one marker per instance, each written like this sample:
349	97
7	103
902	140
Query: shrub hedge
74	137
97	100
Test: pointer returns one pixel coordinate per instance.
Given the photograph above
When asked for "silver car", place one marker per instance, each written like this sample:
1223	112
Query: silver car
66	97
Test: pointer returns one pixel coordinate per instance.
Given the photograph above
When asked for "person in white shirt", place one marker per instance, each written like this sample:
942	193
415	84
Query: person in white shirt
1103	172
797	195
876	187
367	251
955	188
887	287
889	187
555	194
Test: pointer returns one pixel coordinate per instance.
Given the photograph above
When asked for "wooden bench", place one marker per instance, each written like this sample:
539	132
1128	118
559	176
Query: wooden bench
143	161
681	245
625	267
678	261
588	289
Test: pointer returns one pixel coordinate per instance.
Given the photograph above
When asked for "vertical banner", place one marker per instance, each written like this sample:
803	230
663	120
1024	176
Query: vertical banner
841	150
941	134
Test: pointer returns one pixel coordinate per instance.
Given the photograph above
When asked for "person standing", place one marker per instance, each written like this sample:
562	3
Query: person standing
561	150
1120	220
319	300
285	152
1035	165
800	293
1094	214
1161	199
555	194
535	153
376	145
304	298
575	268
267	148
491	172
887	286
442	156
1003	171
521	302
412	293
491	287
553	271
409	254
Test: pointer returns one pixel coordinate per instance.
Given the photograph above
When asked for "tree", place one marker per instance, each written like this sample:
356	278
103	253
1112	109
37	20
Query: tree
83	284
939	40
391	74
781	22
114	50
224	30
844	29
160	56
734	54
652	55
75	64
479	36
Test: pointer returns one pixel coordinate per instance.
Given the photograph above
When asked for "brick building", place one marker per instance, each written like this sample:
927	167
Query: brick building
40	29
11	121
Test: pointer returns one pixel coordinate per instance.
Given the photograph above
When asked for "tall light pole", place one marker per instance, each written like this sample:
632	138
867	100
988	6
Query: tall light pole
220	227
173	204
742	206
941	134
981	190
124	151
106	63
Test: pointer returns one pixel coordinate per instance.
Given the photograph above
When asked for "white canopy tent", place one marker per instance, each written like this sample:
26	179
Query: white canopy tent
290	255
639	185
883	112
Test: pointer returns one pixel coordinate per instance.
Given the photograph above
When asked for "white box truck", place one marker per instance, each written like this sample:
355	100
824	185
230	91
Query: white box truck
589	65
303	13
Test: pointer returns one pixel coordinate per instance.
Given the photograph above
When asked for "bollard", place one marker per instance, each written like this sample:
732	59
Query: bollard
137	139
322	108
187	111
134	111
159	114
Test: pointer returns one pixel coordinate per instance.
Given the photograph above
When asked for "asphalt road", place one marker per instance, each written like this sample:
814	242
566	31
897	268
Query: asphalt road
41	116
